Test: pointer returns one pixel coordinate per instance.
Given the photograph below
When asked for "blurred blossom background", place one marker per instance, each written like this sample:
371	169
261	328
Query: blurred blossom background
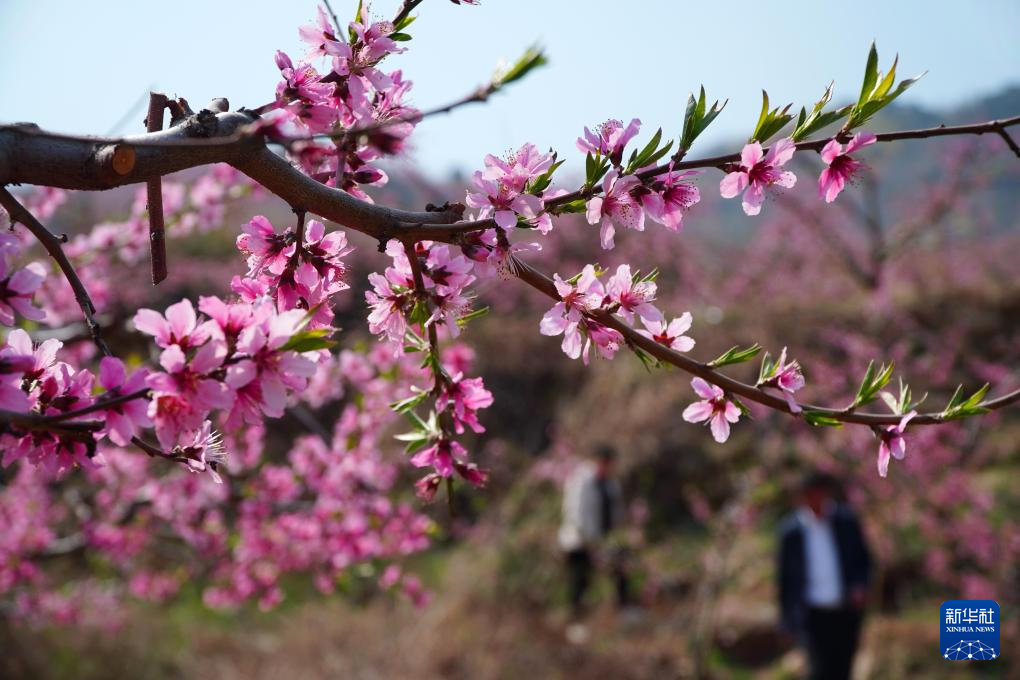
915	264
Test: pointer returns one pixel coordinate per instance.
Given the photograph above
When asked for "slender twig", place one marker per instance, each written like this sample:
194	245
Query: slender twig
101	404
332	14
439	231
39	422
154	194
54	246
50	422
1001	129
481	94
439	376
155	451
405	10
544	284
129	114
428	329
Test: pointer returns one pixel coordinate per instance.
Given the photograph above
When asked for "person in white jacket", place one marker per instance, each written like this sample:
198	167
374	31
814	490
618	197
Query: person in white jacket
592	509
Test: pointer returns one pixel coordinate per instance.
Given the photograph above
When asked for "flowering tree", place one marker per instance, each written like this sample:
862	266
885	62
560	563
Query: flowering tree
102	448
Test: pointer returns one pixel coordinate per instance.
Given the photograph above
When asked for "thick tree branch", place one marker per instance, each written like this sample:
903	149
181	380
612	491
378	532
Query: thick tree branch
29	155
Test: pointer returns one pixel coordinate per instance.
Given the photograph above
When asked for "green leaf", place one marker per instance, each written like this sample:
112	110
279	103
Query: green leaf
309	341
420	312
409	403
808	124
697	118
647	360
649	154
886	82
870	75
532	58
470	316
959	407
595	168
736	355
542	182
400	37
877	91
578	206
770	121
820	419
415	445
890	401
744	411
419	425
352	36
415	341
652	145
767	370
872	383
404	23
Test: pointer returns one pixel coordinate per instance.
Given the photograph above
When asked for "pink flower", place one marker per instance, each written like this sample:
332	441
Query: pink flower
609	139
268	372
668	196
672	334
715	408
265	248
892	442
13	367
464	397
180	327
228	319
617	207
566	315
372	43
374	39
502	185
123	421
841	168
202	450
632	298
17	289
606	340
388	299
322	252
186	393
43	357
446	457
787	378
301	83
757	172
426	487
447	273
321	37
440	456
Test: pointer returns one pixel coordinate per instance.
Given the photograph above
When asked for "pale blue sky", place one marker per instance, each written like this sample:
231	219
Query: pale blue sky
80	65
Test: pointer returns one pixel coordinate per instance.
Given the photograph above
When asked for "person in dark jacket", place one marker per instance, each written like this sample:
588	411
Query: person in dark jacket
824	574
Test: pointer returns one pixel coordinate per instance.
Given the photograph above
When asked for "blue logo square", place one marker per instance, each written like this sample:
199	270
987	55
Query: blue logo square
970	630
